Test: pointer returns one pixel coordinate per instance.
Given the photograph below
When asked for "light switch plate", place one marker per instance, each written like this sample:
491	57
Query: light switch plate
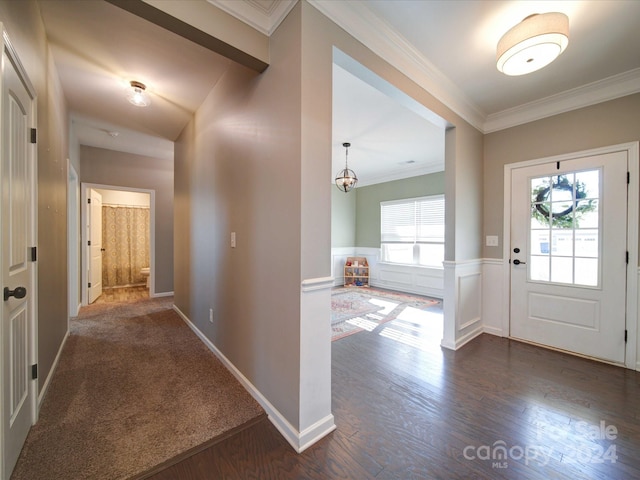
492	241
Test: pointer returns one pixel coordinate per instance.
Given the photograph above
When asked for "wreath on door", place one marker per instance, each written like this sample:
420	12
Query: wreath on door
568	217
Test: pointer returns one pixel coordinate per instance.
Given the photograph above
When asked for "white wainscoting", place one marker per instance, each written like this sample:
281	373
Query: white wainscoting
403	278
463	305
315	416
493	294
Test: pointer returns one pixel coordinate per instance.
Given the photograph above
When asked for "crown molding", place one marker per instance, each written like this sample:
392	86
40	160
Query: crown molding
361	23
401	174
610	88
264	17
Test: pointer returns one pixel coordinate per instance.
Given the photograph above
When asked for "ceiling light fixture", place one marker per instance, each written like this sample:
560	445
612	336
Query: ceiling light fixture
346	179
533	43
137	95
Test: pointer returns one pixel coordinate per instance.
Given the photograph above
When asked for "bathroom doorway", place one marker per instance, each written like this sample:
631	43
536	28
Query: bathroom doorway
124	261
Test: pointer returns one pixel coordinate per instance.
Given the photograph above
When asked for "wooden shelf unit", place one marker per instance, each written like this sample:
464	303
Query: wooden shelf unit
356	272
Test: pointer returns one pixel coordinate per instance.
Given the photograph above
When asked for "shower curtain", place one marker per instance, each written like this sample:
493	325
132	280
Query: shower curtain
125	238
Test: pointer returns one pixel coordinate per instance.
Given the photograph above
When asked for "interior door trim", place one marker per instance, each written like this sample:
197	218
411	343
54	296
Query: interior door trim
84	188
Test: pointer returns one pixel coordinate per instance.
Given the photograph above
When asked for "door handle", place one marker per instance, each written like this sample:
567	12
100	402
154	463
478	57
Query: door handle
518	262
19	292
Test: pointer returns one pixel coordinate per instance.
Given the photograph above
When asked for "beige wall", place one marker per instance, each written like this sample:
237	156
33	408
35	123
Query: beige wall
23	23
609	123
463	143
119	169
237	169
254	161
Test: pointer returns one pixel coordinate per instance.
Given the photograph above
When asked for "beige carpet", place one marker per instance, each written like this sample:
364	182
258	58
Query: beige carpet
134	388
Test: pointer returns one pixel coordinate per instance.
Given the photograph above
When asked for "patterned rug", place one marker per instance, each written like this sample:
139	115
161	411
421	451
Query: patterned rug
355	309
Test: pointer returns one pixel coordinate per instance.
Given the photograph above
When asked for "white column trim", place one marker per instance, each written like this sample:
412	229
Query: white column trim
458	329
320	283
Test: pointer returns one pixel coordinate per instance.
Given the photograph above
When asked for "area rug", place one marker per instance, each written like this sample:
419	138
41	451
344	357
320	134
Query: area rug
355	310
134	389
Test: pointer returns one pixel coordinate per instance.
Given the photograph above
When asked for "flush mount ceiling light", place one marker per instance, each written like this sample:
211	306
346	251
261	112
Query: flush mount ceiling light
346	179
533	43
137	95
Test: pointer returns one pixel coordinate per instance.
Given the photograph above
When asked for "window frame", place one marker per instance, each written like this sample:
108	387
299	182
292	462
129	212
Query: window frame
418	239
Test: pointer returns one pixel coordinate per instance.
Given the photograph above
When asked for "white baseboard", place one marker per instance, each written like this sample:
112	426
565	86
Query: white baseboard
47	382
162	294
315	432
492	331
462	341
298	440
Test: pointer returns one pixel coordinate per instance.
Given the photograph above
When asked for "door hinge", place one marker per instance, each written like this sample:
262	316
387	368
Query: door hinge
89	243
89	284
88	200
34	254
625	336
628	178
34	136
34	371
627	257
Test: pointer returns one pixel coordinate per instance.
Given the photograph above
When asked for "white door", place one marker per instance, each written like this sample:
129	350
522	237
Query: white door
94	227
568	255
18	235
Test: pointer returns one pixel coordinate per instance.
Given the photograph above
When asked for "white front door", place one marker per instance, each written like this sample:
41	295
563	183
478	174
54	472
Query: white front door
94	227
568	255
17	173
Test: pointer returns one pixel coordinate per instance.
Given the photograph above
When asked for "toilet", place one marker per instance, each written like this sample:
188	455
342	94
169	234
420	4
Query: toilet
145	273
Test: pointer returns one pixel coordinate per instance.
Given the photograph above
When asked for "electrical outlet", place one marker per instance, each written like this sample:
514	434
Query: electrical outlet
211	315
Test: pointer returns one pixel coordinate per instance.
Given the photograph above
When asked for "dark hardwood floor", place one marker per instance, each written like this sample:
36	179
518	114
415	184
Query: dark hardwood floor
407	409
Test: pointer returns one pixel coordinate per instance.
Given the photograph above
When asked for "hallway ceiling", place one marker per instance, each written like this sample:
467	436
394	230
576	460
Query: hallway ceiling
446	47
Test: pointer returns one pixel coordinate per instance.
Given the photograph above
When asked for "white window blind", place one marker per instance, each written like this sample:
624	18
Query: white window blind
398	222
419	220
412	231
430	220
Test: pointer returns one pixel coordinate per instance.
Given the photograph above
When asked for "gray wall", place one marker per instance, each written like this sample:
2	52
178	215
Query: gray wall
343	218
369	198
24	25
237	169
254	161
108	167
609	123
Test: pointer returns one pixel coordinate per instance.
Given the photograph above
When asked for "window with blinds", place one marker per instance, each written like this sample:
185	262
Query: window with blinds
412	231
